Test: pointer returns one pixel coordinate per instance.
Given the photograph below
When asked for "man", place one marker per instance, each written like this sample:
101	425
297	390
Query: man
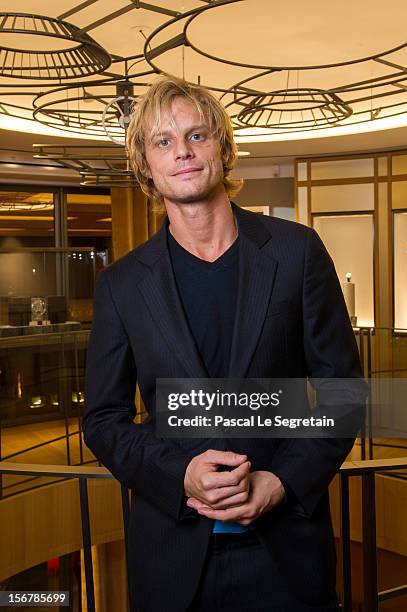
221	524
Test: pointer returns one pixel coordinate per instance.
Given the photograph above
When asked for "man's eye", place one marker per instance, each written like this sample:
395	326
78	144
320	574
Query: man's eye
196	136
164	142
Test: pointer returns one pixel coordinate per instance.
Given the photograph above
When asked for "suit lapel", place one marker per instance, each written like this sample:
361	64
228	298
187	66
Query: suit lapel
160	294
256	278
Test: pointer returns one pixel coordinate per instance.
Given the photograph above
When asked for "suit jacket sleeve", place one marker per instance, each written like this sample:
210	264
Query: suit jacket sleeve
308	465
130	451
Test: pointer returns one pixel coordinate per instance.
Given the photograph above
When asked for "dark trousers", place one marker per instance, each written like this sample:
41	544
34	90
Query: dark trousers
240	576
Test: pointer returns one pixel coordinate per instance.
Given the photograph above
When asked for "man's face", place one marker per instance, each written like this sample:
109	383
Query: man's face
184	158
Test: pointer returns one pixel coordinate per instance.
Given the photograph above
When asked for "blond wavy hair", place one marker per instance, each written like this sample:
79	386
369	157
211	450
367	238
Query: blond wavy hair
146	114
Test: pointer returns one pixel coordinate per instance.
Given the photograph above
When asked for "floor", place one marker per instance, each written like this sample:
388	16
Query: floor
18	439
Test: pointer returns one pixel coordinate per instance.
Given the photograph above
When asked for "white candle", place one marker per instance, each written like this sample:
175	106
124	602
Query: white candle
349	294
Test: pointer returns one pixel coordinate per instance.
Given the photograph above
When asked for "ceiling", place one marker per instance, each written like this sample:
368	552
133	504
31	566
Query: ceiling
238	48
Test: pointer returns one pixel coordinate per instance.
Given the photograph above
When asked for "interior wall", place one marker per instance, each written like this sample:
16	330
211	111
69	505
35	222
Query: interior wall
352	185
273	192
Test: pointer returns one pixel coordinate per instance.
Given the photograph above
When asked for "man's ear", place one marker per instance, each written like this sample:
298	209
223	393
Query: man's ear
224	156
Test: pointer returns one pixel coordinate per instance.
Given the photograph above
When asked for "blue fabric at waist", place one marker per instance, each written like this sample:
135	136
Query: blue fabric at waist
228	527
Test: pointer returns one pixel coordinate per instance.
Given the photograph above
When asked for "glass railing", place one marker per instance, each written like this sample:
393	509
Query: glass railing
45	315
383	352
367	470
82	475
41	402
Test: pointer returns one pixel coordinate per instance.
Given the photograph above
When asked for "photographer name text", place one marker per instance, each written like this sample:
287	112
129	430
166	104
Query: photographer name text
254	420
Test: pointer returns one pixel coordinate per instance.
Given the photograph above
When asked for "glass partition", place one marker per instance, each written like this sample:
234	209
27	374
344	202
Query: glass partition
26	218
89	224
45	312
63	279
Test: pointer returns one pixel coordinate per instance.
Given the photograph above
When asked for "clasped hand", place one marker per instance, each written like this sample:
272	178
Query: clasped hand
234	495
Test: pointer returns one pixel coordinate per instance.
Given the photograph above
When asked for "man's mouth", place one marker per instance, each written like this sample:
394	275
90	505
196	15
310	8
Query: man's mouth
190	170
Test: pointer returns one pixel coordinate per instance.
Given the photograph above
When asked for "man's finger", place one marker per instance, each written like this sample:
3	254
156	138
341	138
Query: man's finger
230	502
237	513
221	497
196	504
226	478
218	494
225	457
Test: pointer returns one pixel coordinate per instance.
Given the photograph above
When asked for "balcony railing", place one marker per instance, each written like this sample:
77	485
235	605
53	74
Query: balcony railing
82	474
366	469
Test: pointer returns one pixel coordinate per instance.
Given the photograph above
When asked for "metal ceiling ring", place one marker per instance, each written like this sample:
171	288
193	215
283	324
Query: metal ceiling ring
98	165
82	107
290	108
263	67
81	57
150	52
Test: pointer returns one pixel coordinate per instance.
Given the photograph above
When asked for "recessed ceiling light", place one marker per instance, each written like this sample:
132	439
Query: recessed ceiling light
141	28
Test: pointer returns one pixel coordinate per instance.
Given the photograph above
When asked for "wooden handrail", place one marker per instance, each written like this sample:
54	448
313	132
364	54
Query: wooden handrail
61	471
350	468
353	468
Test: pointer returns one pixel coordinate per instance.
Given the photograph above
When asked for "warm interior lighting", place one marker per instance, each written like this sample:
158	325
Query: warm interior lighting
84	198
244	135
31	206
24	218
90	231
37	401
16	124
364	324
19	387
10	230
78	397
261	135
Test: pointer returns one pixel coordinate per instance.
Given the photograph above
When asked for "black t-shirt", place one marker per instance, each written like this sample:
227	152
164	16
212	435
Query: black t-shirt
208	292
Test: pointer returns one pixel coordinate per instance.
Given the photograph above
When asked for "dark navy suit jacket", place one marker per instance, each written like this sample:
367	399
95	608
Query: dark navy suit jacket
291	321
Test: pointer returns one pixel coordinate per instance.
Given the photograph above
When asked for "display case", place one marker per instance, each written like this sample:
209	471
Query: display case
400	269
42	377
349	240
45	312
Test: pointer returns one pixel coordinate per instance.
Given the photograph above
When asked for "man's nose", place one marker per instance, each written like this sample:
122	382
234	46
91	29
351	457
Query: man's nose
183	149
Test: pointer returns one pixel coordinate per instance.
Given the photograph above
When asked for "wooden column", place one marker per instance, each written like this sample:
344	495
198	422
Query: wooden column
133	219
129	219
113	593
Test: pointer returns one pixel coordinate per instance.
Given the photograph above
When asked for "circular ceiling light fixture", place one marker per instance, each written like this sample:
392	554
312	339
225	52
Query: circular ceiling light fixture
290	109
80	55
358	87
102	166
98	108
